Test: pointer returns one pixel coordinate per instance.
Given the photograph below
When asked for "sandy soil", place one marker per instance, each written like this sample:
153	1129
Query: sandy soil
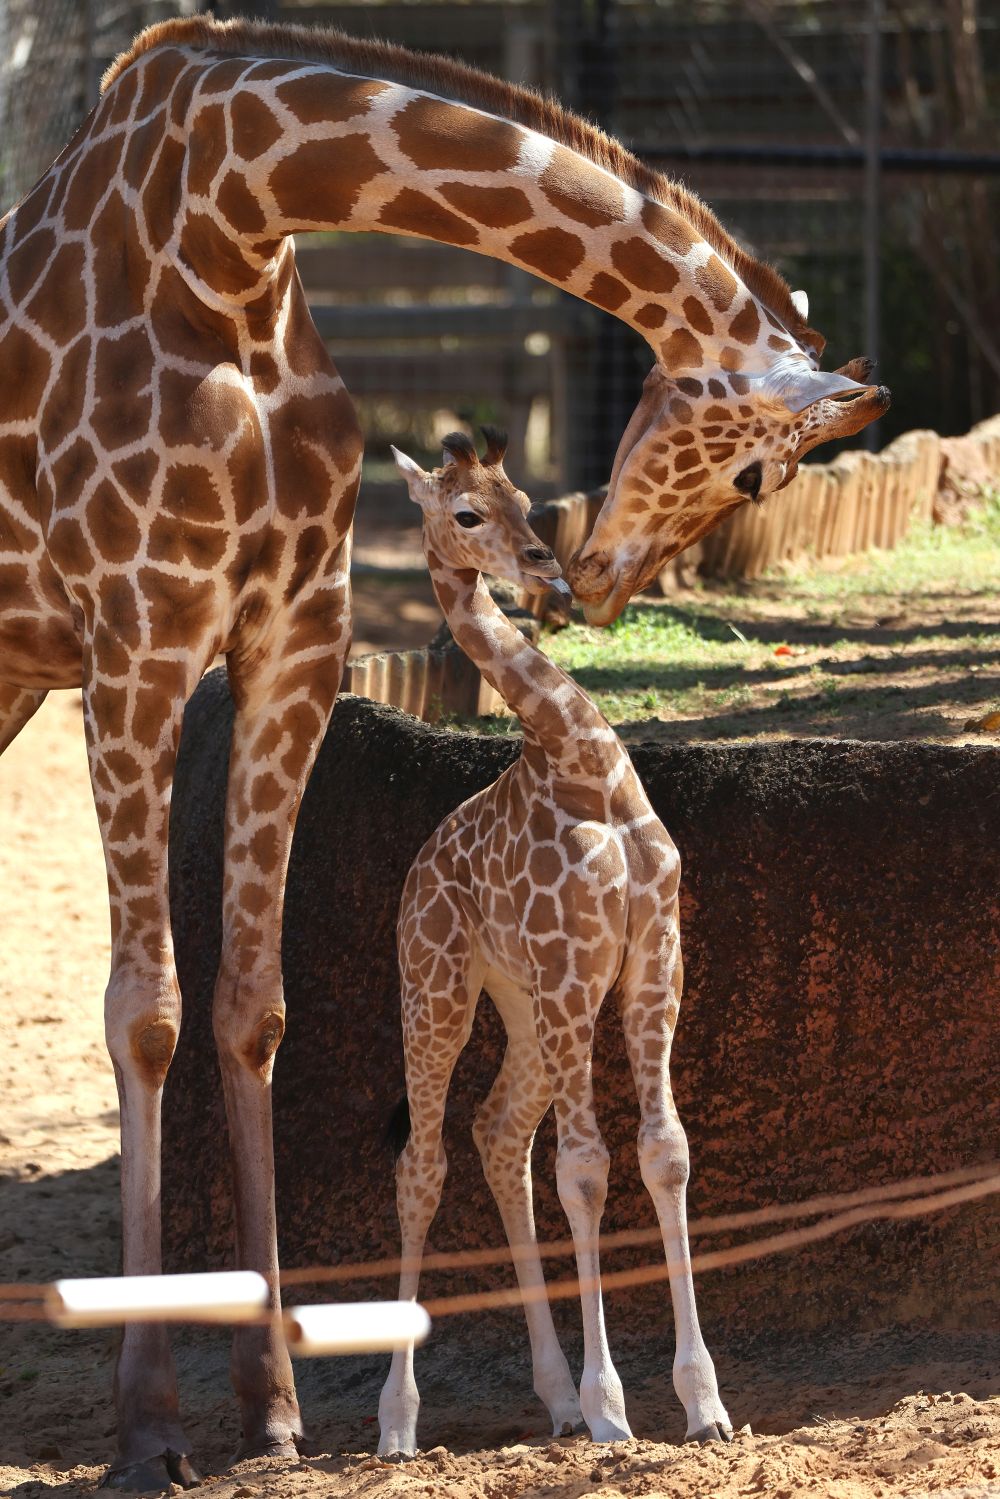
885	1414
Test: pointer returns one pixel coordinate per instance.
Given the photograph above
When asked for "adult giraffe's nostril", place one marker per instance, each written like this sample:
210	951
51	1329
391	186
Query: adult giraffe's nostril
589	576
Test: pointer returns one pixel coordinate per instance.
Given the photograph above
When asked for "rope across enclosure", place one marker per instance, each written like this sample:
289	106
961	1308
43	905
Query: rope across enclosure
378	1326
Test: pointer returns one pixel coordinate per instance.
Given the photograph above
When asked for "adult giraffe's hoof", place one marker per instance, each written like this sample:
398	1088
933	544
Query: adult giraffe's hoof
291	1447
153	1475
718	1431
396	1458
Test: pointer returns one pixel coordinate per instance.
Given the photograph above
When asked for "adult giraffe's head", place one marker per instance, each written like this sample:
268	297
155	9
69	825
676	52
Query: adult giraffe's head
475	518
699	445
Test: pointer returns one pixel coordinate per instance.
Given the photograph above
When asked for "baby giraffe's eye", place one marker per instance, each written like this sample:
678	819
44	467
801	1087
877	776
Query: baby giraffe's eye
467	519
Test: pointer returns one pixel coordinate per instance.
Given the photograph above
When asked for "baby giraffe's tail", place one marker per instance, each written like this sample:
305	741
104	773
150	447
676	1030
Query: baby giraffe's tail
398	1129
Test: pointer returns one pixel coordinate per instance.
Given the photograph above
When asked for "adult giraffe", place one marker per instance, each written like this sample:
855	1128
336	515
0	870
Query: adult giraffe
179	464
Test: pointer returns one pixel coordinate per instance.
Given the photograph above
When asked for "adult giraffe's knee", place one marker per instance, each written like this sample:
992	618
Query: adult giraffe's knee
142	1021
248	1015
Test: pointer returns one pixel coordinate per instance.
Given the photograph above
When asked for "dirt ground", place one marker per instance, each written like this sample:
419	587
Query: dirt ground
889	1413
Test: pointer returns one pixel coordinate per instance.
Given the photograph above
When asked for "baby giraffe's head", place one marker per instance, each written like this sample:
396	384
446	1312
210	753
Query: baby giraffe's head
474	517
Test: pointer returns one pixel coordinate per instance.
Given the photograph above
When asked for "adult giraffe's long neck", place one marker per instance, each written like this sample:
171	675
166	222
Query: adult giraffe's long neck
278	147
564	734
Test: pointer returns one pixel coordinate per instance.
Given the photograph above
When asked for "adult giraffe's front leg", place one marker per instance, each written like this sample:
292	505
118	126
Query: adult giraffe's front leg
132	713
284	700
17	705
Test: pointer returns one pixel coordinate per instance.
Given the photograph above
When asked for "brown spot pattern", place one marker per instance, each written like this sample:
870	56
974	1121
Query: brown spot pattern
644	266
254	126
652	315
497	207
577	189
416	213
608	292
307	192
745	326
717	282
433	134
554	252
681	350
318	98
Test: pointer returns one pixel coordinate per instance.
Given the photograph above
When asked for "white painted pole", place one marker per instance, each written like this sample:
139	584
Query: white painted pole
223	1296
355	1327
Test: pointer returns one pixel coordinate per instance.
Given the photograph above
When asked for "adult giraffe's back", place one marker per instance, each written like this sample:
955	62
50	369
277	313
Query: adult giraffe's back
179	465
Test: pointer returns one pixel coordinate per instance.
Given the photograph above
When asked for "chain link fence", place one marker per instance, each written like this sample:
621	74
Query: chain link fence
765	107
52	55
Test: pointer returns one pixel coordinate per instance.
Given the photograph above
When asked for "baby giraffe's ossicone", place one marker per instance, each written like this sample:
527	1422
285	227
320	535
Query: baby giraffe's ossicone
475	519
550	889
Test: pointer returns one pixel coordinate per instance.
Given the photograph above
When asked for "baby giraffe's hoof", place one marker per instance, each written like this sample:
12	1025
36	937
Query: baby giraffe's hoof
154	1475
567	1418
610	1431
718	1431
570	1428
397	1458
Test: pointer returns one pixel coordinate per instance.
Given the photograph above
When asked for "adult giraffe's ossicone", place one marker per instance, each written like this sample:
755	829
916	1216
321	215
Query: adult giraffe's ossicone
179	465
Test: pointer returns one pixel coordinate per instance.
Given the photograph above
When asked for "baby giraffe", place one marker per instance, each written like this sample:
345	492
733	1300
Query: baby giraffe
554	887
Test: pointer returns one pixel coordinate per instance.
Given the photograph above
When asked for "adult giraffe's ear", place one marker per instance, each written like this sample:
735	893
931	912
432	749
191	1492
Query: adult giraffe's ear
805	386
800	302
410	470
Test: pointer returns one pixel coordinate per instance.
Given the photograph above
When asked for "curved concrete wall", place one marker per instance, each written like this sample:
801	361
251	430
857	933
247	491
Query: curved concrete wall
840	1025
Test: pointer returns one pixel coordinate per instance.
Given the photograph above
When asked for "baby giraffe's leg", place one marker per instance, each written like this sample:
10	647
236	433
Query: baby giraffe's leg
436	1025
566	1034
504	1129
650	992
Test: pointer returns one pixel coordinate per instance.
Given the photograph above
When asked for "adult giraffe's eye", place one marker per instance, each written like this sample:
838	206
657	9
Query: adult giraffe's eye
467	519
748	480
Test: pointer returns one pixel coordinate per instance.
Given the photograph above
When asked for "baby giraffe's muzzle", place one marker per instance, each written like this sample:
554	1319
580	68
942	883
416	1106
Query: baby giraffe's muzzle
539	565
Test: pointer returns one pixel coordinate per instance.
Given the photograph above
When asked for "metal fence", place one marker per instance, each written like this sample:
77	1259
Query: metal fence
852	142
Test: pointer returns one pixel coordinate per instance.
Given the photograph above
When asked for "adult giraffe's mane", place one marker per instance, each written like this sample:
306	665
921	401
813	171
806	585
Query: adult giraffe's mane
462	84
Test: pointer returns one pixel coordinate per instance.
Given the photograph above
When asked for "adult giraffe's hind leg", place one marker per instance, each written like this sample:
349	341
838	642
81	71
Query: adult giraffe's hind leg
650	990
17	705
284	700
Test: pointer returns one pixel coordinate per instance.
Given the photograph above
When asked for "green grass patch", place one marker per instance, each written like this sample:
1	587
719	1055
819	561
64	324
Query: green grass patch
711	654
931	560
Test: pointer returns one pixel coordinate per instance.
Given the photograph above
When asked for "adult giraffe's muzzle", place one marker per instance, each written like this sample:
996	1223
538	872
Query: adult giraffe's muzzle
602	589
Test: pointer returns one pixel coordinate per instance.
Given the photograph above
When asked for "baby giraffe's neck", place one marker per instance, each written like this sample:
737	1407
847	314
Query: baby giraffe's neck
565	737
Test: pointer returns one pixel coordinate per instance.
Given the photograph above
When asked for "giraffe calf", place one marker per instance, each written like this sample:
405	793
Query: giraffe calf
551	889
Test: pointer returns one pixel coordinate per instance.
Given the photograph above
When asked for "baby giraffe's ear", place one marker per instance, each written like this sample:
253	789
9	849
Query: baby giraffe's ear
416	478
